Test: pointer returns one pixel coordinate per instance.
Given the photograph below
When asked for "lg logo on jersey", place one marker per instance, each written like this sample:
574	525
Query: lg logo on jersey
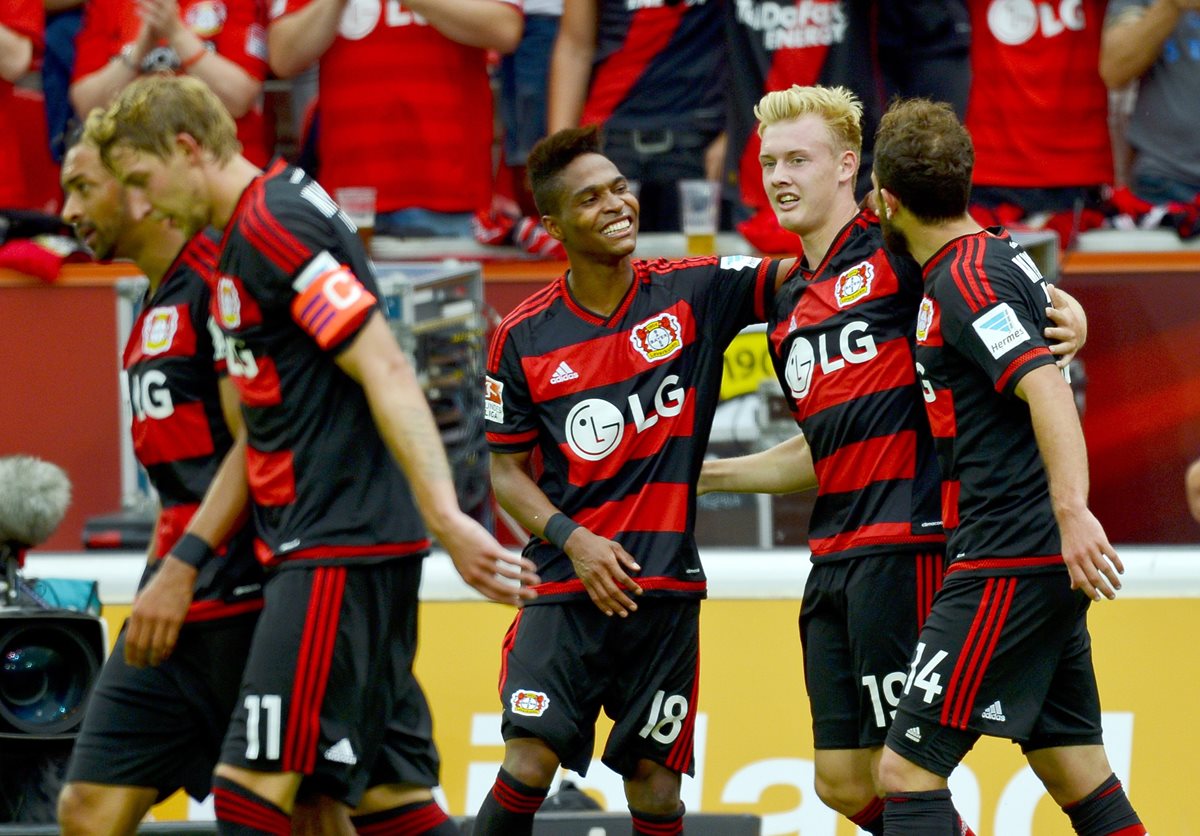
855	346
595	427
1013	22
149	395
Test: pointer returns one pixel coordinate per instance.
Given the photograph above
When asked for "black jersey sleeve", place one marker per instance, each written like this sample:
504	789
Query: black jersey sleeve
304	258
508	409
996	319
737	291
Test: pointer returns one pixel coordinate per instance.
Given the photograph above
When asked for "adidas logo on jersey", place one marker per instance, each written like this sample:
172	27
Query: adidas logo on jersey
994	712
563	373
914	734
341	752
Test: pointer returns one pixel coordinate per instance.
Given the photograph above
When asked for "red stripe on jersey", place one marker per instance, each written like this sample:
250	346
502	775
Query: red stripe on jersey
161	331
760	289
871	535
656	430
373	550
862	463
204	249
512	438
647	584
314	658
606	360
213	609
172	523
533	305
183	434
884	283
1016	364
261	389
659	506
506	646
271	476
616	316
680	756
950	493
270	237
963	277
332	307
837	380
940	410
1006	563
233	308
650	30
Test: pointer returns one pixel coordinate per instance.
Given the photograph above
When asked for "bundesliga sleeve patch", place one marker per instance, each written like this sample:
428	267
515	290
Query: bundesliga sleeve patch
739	262
1000	330
493	399
331	301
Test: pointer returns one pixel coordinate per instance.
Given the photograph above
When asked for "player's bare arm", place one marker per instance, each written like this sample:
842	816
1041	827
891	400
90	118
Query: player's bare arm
785	468
1091	560
161	606
601	564
1069	332
1192	487
571	64
297	39
406	425
487	24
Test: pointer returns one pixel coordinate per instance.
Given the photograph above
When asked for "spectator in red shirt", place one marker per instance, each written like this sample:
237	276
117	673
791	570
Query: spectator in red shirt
404	100
21	30
221	42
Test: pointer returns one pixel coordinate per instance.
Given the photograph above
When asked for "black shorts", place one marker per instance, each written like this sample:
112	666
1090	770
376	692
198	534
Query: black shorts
562	663
329	690
858	624
1004	657
162	726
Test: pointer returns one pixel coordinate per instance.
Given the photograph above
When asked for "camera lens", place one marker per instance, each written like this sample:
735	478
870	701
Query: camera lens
45	674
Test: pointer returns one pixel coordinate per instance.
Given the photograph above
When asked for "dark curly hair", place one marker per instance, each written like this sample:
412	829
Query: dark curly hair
924	156
550	156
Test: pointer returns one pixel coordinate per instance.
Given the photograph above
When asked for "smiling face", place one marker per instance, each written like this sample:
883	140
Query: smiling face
804	174
597	214
164	188
96	204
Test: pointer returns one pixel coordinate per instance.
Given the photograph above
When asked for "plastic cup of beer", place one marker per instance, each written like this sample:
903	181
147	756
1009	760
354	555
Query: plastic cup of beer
358	202
699	211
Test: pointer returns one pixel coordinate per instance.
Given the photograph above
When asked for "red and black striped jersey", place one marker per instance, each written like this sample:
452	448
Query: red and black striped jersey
658	64
979	331
171	365
841	339
293	288
621	408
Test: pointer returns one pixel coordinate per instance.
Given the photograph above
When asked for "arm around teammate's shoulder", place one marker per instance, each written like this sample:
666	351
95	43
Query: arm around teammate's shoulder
785	468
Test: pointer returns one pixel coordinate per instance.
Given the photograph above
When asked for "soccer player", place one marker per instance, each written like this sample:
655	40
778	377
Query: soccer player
149	731
1005	649
330	405
840	337
611	374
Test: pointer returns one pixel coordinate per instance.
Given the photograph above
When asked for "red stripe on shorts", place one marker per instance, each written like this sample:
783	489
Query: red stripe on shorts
312	669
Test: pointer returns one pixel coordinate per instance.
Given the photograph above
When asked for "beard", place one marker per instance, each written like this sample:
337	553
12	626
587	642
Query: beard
893	238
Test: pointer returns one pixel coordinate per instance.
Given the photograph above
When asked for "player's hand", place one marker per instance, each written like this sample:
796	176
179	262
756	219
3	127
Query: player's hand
705	483
1091	560
488	567
158	613
602	564
161	16
1069	331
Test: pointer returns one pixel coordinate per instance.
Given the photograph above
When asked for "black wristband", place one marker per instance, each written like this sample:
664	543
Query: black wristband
558	528
192	550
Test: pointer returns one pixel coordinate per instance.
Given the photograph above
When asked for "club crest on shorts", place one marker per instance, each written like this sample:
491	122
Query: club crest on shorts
854	284
658	338
493	399
229	304
529	703
924	318
158	330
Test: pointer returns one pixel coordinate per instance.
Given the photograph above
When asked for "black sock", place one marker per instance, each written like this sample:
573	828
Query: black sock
242	812
928	813
651	824
1105	811
420	817
870	818
508	809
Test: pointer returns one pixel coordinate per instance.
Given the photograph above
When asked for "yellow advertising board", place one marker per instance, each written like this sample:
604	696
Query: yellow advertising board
753	740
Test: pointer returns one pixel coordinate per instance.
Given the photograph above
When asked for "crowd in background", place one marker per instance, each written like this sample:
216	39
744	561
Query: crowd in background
1082	111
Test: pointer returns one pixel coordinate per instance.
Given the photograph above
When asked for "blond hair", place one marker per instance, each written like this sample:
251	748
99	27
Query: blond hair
838	108
149	113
